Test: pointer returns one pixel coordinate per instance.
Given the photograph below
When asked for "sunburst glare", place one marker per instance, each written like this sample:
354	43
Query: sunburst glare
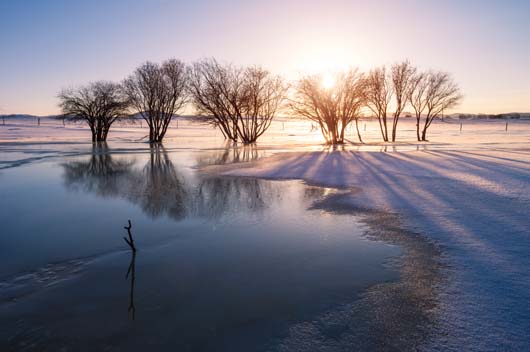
328	81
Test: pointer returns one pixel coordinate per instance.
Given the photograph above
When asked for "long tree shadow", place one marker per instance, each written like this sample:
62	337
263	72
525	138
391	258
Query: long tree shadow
475	205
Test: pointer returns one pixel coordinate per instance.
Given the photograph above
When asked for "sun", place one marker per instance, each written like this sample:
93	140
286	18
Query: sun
328	81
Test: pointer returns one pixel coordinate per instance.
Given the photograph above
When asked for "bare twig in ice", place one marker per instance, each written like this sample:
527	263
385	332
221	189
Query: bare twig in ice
129	241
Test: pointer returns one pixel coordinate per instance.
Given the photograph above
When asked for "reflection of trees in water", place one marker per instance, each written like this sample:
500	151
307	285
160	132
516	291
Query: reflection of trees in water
231	153
219	195
101	174
159	189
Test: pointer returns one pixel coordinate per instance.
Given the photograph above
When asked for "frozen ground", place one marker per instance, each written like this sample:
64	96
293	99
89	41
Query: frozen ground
467	190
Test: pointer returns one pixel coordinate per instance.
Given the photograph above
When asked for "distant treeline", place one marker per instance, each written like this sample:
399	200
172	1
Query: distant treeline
506	116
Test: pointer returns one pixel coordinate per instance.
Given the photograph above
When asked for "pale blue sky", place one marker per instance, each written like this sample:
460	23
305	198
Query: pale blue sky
50	44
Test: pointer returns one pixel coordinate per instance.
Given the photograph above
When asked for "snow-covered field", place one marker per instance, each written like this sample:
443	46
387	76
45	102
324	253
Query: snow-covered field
468	190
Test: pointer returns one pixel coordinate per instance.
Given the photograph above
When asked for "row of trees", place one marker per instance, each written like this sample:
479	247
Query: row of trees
355	94
242	101
155	91
428	93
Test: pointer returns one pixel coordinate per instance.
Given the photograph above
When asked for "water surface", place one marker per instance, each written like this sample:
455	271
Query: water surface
223	263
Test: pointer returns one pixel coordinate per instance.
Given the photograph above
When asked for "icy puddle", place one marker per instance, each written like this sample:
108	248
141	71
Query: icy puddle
223	264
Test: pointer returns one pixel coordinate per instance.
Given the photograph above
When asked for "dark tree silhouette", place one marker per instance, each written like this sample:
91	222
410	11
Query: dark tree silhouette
378	96
157	93
214	89
241	102
431	93
99	104
417	98
334	108
402	75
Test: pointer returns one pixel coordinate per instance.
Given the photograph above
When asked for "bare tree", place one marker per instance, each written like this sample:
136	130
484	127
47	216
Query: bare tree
241	102
417	97
213	89
402	79
99	104
334	108
158	93
263	94
434	93
378	96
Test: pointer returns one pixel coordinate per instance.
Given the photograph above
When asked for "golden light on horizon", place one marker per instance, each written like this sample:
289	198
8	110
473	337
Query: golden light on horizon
328	81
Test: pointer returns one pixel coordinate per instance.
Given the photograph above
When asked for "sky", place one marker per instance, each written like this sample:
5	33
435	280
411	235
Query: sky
48	45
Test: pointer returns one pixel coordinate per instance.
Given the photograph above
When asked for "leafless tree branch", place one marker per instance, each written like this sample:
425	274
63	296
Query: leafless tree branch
334	108
158	93
378	94
432	93
99	104
241	102
402	75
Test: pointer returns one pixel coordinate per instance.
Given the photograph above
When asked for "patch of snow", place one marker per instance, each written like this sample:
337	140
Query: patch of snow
473	202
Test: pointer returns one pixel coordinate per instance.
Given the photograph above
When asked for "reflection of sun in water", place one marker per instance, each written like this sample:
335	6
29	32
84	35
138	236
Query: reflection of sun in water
328	81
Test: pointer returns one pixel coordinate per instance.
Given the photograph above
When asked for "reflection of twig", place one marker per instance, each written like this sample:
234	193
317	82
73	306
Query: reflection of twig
129	241
131	270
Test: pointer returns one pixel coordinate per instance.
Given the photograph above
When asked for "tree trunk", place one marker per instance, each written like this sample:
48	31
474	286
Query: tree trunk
358	132
92	129
381	127
105	133
342	129
385	137
425	126
99	136
161	136
424	134
418	128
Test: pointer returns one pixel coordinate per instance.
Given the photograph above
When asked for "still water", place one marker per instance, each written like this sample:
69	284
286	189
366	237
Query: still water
223	264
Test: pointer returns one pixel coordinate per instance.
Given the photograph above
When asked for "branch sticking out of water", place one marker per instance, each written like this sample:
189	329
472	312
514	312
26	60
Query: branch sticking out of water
129	241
